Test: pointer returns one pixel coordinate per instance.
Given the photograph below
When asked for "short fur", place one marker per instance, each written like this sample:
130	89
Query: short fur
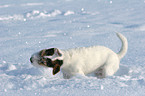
81	61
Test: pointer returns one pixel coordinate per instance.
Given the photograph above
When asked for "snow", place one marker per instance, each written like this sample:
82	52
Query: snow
28	26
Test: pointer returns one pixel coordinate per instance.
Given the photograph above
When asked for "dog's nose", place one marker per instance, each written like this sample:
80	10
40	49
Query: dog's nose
31	59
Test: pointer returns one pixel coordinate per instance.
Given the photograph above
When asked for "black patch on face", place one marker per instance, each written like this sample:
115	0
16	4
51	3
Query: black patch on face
49	62
49	52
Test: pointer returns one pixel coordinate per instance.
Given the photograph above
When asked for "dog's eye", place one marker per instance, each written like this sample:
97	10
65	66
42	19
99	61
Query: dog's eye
46	62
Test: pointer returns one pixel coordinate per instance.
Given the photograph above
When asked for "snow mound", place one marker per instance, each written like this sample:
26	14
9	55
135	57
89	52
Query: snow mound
13	17
43	14
36	14
22	79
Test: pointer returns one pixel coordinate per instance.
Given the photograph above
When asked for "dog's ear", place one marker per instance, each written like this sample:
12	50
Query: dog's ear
56	69
58	52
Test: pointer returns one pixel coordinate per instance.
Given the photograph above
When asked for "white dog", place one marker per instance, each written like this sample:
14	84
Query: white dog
81	61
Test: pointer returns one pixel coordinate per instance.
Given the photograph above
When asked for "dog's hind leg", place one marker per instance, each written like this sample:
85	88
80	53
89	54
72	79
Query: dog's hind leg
112	65
109	68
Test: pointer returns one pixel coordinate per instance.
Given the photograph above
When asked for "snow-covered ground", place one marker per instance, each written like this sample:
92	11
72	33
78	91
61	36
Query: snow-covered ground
27	26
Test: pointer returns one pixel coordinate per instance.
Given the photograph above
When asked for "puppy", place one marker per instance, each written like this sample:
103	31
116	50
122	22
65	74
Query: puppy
81	61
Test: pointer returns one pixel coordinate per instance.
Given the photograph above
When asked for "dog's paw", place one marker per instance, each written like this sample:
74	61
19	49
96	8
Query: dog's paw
100	73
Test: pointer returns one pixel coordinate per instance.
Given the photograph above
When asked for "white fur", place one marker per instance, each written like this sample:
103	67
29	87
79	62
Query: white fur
98	59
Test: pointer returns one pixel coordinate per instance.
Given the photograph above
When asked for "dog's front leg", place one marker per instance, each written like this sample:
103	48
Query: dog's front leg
79	74
66	76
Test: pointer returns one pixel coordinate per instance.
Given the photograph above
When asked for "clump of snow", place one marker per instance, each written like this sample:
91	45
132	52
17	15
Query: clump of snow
4	62
39	14
36	14
69	13
111	2
12	67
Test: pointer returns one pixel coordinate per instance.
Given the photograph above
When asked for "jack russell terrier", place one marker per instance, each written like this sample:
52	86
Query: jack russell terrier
81	61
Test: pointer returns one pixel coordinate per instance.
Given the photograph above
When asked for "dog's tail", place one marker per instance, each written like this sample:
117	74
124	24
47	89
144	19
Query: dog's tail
124	47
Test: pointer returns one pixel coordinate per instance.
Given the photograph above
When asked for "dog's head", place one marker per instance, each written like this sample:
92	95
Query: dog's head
48	58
